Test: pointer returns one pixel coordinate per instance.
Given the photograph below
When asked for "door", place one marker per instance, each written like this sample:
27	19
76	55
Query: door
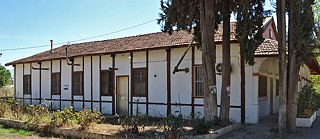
122	95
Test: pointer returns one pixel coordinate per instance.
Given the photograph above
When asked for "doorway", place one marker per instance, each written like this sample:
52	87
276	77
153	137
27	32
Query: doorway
122	92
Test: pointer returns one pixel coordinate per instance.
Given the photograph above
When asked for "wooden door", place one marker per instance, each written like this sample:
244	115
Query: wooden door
122	95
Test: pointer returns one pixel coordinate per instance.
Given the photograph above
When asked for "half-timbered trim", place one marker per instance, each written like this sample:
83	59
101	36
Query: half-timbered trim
91	87
113	86
131	73
147	82
168	81
192	83
83	83
60	84
40	92
72	91
23	85
51	103
100	104
30	68
14	81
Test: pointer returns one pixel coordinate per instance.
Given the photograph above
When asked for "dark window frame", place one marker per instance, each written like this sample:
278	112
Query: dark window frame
81	83
28	90
134	82
260	87
58	85
111	83
195	81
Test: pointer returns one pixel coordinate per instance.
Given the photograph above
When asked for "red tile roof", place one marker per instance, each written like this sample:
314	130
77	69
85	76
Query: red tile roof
158	40
267	48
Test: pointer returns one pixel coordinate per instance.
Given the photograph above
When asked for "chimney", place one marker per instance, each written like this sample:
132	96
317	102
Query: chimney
51	41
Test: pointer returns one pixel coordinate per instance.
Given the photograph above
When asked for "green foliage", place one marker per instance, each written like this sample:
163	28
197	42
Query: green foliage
308	99
249	15
5	76
305	31
316	10
16	109
13	133
87	117
184	15
172	125
62	118
3	108
36	113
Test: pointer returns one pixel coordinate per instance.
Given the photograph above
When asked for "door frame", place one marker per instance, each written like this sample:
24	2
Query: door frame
116	93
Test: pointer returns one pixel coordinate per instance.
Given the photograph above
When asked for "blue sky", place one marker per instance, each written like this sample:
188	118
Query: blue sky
35	22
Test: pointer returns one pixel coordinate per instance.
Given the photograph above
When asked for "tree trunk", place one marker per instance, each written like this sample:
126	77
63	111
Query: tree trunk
281	19
293	67
225	89
207	22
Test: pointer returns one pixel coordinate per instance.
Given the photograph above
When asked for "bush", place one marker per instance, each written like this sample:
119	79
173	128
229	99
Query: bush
36	113
87	117
62	118
307	99
172	125
199	125
17	110
3	108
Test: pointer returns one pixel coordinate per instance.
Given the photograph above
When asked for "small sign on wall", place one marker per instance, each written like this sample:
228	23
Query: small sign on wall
65	87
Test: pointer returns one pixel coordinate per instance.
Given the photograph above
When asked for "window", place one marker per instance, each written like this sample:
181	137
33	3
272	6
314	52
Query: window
77	83
262	86
55	84
139	82
198	81
26	84
277	87
106	82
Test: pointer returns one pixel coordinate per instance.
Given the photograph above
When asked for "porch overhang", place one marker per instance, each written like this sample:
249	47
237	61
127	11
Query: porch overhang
314	67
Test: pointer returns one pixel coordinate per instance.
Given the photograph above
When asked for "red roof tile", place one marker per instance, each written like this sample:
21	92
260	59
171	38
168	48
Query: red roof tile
134	43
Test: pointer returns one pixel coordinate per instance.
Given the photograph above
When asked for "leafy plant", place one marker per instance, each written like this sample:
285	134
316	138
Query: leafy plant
62	118
36	113
87	117
307	99
16	109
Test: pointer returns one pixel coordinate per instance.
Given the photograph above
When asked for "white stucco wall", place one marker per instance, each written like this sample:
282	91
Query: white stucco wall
181	83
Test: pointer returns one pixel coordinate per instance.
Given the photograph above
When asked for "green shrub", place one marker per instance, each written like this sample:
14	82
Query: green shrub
3	108
62	118
36	113
308	99
87	117
16	109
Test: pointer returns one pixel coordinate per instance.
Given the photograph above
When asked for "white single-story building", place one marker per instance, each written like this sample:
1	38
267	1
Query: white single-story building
115	75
